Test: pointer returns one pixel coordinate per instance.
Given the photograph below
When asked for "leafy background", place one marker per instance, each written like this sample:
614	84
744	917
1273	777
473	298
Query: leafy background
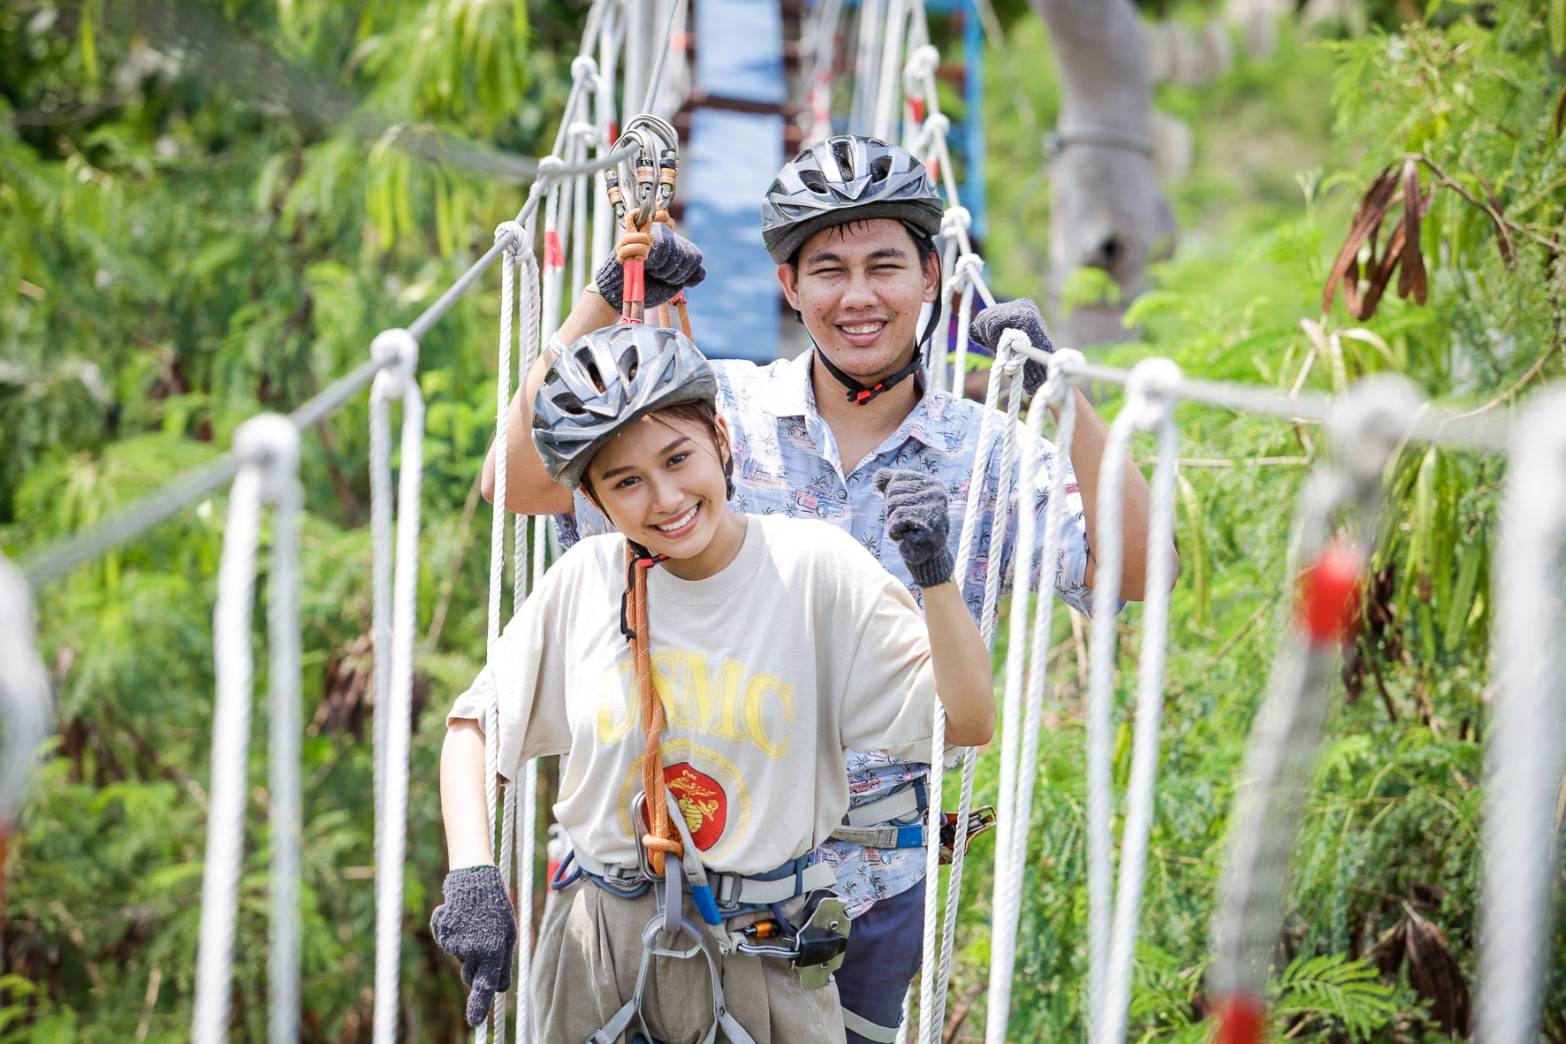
208	210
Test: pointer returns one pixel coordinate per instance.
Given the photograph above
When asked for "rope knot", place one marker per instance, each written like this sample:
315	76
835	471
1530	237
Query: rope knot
1007	357
966	272
956	220
584	69
514	237
271	442
1150	390
936	125
397	354
633	246
921	65
1057	385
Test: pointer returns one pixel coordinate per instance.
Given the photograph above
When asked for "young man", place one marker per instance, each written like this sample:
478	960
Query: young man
851	223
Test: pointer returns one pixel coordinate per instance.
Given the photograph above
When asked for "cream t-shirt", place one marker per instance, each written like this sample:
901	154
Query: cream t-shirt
768	671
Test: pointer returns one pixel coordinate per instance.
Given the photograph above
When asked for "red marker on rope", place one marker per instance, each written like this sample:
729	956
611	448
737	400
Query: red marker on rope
1327	603
554	254
1240	1021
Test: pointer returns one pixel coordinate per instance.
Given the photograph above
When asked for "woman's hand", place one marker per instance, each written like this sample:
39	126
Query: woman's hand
477	925
916	517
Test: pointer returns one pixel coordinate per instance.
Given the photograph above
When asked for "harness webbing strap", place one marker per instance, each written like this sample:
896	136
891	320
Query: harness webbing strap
855	1023
660	837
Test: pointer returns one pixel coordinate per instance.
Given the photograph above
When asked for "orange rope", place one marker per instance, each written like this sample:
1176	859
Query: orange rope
632	252
661	836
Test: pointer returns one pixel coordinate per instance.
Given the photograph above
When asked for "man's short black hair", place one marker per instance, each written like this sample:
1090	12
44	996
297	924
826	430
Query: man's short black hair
924	246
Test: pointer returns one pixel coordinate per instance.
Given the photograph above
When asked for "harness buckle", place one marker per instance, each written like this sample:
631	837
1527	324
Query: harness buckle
821	943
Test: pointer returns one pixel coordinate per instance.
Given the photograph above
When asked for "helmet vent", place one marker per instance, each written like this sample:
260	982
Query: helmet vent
569	404
880	168
844	156
813	180
584	359
628	363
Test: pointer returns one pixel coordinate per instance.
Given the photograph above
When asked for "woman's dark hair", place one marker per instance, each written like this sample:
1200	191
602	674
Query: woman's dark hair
703	414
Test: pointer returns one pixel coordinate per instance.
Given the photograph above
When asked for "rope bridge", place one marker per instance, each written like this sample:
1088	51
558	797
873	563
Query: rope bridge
617	72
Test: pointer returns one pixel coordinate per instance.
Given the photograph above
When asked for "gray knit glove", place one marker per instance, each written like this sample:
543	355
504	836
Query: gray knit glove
477	926
673	264
916	513
1021	314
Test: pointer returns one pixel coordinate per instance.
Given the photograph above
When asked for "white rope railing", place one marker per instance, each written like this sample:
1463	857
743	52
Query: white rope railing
263	469
1526	740
26	708
1148	406
1367	431
397	381
267	447
1026	645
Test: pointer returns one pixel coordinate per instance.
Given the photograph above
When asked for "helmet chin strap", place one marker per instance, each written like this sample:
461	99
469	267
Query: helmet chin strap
860	394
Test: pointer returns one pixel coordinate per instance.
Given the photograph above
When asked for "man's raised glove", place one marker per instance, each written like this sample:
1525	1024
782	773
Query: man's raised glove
916	517
673	264
477	925
1021	314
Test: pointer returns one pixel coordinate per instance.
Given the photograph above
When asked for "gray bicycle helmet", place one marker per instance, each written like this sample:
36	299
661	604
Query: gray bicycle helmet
607	380
847	178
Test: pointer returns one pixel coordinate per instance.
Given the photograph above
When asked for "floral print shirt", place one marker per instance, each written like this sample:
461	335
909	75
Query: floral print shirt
786	461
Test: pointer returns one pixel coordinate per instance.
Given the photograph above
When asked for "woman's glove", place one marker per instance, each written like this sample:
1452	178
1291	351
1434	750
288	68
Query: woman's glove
916	517
477	926
1021	314
673	264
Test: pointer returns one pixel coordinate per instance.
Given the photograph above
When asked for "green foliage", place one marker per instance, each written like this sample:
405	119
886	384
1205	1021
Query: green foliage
185	240
1391	833
208	209
1333	993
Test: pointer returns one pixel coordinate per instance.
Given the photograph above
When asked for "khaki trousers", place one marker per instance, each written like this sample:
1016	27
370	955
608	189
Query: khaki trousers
584	969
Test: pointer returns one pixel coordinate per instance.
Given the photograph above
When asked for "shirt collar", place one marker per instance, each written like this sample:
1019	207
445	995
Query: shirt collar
791	394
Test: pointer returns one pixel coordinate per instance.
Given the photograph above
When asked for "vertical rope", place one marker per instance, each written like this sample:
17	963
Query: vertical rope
398	352
284	753
268	446
1010	366
1154	409
523	803
1368	427
886	95
25	703
1524	744
1014	825
230	740
1101	690
514	234
930	1003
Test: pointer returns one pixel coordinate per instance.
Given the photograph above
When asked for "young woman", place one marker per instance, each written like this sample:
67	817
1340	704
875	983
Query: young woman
706	672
